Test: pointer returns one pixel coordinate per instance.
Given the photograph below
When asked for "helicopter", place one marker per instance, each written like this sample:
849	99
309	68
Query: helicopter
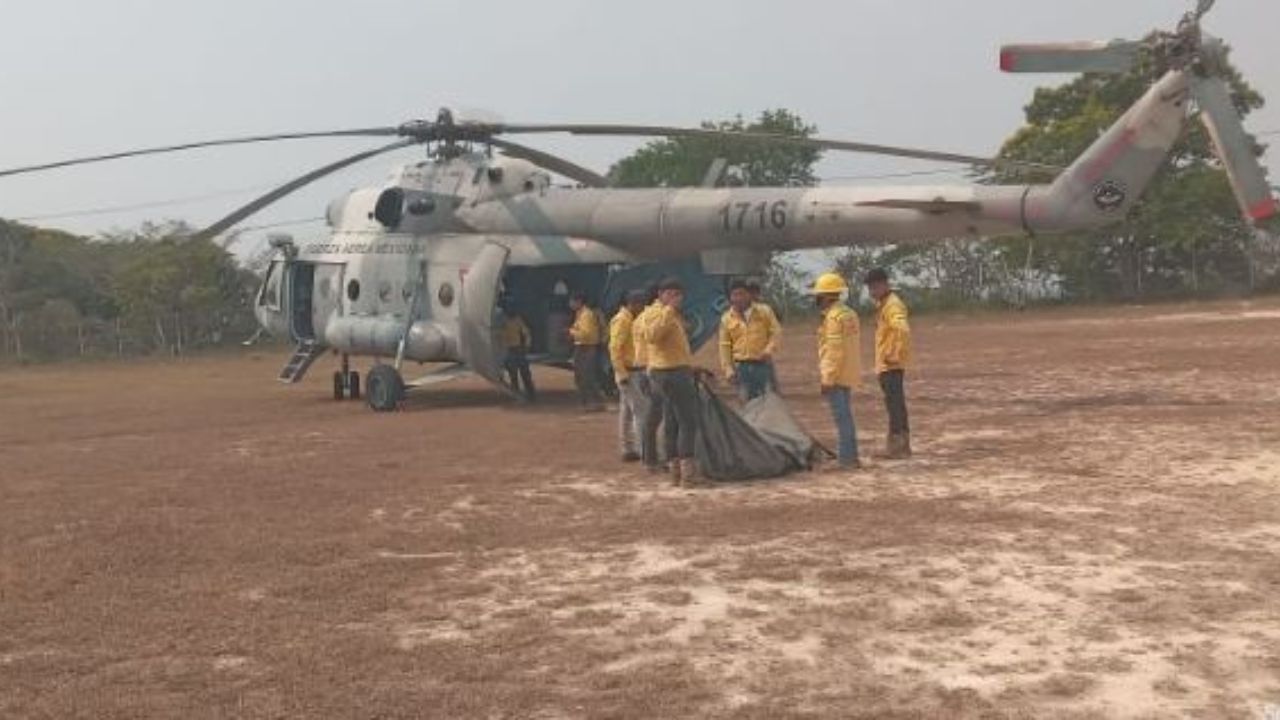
413	269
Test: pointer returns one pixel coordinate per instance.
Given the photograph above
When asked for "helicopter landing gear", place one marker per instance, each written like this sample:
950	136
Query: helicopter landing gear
346	382
384	388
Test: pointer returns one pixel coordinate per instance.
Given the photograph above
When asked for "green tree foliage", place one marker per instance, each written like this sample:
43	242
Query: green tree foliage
684	161
1186	235
153	290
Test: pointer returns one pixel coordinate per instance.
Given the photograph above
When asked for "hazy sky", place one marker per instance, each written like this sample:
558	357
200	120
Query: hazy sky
91	76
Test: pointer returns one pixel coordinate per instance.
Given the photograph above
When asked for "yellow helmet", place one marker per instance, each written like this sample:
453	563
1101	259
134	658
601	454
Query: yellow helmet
829	284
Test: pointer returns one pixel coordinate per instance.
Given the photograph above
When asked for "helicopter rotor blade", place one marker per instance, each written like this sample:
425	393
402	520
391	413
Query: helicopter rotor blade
1116	56
770	138
547	161
1235	149
359	132
249	209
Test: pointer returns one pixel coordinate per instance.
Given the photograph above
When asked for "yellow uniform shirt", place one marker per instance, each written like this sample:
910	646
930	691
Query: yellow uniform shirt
667	340
838	335
639	334
515	334
586	327
893	335
748	337
622	346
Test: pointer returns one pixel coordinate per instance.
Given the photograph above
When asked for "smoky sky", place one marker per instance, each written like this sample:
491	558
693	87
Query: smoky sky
87	77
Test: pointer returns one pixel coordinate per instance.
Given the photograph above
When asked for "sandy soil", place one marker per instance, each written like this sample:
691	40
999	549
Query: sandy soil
1090	528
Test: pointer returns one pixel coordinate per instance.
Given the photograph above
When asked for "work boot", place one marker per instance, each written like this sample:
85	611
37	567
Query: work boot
690	475
905	444
893	447
674	467
630	456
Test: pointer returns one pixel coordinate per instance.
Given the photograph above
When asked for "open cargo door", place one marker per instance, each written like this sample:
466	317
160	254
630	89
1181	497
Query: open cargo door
477	341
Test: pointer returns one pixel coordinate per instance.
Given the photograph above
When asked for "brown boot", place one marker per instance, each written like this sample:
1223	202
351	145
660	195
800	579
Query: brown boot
892	448
689	473
674	467
899	446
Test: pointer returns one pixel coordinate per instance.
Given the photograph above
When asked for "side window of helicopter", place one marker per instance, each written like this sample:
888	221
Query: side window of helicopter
353	290
389	210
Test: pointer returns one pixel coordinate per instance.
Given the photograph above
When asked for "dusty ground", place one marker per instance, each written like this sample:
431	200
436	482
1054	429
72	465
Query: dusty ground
1090	529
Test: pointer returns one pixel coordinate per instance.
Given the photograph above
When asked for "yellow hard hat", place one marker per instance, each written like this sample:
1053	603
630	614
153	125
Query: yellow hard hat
829	284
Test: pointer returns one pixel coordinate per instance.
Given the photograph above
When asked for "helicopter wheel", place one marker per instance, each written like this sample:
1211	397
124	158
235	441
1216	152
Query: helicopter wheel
339	387
384	388
353	385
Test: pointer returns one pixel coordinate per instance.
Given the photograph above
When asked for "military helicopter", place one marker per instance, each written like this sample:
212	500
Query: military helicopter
413	269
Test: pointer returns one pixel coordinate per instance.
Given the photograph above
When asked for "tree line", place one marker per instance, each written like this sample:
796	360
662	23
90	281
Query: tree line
151	290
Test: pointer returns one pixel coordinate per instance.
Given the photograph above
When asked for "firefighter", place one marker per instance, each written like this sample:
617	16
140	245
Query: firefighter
585	333
518	340
655	409
627	375
749	335
838	362
671	372
758	303
893	354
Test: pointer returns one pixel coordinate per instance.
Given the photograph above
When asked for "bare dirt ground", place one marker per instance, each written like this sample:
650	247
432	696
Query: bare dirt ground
1091	528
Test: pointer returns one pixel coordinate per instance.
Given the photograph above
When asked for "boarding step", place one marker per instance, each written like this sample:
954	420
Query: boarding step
305	354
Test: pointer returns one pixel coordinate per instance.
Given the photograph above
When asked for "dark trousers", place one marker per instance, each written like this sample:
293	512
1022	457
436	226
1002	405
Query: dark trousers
586	374
654	412
680	396
753	379
517	364
893	385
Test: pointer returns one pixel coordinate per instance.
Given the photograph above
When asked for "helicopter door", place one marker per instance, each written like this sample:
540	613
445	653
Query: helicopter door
301	288
327	289
477	341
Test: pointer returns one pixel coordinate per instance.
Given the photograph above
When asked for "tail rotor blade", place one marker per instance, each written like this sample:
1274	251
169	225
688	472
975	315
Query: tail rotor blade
1116	56
1235	149
258	204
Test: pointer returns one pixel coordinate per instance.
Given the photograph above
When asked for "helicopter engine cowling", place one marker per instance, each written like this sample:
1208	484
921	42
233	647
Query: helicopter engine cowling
427	340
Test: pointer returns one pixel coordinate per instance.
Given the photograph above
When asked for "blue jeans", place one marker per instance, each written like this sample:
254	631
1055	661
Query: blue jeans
753	379
842	413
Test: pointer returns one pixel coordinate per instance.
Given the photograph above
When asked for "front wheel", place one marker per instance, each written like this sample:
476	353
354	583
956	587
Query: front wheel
384	388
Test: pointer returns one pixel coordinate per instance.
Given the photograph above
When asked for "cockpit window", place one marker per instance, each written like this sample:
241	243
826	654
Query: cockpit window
389	209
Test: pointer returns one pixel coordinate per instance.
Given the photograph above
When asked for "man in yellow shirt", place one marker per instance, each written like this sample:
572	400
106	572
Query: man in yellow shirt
629	377
518	340
839	366
893	354
655	408
585	334
749	336
671	372
757	301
